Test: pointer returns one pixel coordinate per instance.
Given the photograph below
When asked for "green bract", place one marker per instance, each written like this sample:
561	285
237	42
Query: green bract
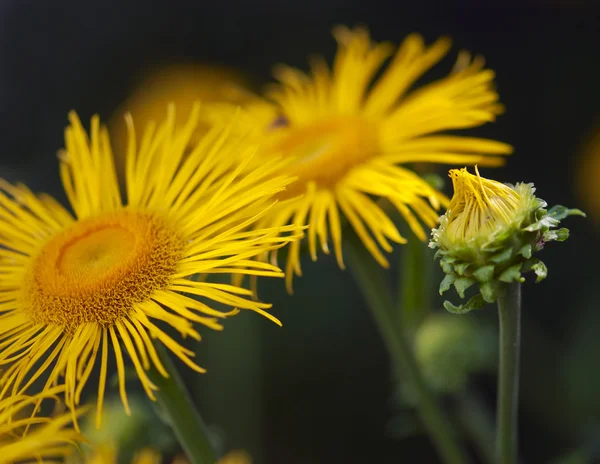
502	256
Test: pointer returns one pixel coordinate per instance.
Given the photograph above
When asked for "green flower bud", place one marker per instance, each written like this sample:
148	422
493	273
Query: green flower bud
449	348
489	234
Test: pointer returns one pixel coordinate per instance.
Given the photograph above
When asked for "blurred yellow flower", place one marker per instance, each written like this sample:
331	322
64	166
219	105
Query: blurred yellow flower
349	132
233	457
107	454
588	172
47	438
180	83
74	285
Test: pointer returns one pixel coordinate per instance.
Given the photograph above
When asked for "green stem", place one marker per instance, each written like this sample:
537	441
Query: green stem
509	316
415	283
190	430
477	423
371	281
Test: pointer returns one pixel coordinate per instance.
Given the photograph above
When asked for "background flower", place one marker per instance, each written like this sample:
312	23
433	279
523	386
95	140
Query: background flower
352	129
23	437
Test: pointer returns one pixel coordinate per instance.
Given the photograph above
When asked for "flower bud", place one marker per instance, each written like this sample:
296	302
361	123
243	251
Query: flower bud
489	234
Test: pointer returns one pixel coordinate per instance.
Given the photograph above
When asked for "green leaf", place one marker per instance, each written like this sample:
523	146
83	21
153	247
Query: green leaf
477	302
447	282
525	251
463	283
503	256
488	291
511	274
484	273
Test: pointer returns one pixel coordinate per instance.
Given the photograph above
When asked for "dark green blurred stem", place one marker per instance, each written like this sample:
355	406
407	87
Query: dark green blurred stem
415	284
372	282
477	423
232	391
509	316
190	430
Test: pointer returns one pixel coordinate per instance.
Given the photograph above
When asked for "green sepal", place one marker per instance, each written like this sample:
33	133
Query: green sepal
463	283
477	302
536	266
561	212
446	266
512	274
489	291
503	256
447	282
541	271
484	273
543	224
461	268
562	234
525	251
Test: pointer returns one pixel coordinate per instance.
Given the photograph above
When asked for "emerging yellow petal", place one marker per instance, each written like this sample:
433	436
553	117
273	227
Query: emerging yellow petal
479	207
26	437
350	131
122	269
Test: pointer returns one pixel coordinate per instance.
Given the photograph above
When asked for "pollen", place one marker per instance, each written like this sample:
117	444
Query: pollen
99	268
325	151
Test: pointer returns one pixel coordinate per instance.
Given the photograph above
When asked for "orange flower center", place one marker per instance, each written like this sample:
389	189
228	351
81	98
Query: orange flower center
97	269
324	152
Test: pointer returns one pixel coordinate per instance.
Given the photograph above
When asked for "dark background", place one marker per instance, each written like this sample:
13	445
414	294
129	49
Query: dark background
324	378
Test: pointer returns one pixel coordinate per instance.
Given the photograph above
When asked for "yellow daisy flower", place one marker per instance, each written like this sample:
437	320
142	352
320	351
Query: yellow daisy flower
179	83
107	454
119	270
46	438
349	133
233	457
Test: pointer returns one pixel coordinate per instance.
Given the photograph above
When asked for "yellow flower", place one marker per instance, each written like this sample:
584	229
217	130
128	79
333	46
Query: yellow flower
480	208
180	83
587	169
233	457
236	457
120	269
47	437
107	454
349	135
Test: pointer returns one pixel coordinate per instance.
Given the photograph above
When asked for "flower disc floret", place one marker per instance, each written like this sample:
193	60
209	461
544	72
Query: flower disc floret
99	268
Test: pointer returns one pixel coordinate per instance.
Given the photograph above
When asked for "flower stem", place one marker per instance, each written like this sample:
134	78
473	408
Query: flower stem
509	316
189	428
478	424
415	283
371	281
